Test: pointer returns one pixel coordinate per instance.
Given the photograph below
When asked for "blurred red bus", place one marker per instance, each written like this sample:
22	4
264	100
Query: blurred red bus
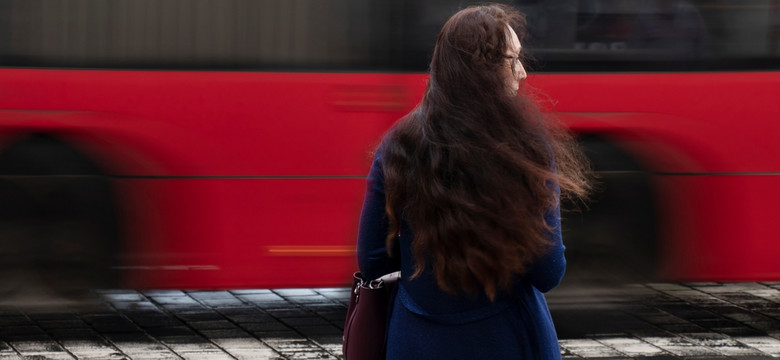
224	143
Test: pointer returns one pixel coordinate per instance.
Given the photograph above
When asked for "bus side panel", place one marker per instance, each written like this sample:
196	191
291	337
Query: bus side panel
228	123
212	233
731	115
720	228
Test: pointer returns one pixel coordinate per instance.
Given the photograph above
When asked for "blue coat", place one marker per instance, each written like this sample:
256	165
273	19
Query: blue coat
427	323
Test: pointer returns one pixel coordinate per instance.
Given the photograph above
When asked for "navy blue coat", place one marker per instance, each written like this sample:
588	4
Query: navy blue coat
427	323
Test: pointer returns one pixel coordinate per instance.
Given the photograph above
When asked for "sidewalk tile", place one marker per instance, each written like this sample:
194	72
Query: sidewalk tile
254	354
289	312
294	292
305	321
765	344
265	327
202	315
588	348
723	344
769	294
144	349
205	355
680	346
250	291
297	348
130	296
245	314
212	325
175	300
146	305
248	343
48	355
219	301
314	300
311	331
36	346
187	346
210	294
631	346
163	293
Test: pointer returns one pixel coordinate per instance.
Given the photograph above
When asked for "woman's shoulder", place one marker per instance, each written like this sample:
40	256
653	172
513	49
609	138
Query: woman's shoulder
389	139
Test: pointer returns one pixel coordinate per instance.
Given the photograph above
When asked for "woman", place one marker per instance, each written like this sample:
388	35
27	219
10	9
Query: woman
463	197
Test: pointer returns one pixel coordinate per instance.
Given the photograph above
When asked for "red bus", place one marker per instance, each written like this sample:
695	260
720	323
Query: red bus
224	143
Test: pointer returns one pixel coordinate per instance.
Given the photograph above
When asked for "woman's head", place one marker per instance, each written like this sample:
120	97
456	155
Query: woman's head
473	168
479	51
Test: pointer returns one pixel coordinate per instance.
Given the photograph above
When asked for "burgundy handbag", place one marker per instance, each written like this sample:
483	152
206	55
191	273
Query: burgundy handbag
366	324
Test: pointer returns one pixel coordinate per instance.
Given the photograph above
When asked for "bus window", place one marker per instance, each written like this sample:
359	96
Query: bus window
615	35
204	34
360	35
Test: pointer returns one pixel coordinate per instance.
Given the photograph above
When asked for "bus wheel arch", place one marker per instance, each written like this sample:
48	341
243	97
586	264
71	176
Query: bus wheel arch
61	217
614	237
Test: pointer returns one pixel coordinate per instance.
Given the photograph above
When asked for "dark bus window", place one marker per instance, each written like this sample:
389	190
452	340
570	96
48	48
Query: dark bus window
381	35
224	34
653	34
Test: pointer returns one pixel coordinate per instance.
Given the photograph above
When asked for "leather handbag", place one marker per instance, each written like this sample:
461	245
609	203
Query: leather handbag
366	324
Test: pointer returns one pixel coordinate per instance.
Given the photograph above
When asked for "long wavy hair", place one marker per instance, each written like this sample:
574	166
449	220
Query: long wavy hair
473	169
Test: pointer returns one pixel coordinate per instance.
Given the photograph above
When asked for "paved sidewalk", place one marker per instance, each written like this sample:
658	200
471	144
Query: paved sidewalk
669	321
173	324
649	321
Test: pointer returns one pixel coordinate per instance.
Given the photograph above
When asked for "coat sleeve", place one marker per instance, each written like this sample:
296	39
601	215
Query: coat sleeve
373	259
547	271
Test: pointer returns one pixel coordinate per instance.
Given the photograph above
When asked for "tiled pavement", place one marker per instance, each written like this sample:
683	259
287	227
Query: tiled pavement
669	321
652	321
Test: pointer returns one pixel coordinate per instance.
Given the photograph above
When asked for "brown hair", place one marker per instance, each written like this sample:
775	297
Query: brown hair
473	170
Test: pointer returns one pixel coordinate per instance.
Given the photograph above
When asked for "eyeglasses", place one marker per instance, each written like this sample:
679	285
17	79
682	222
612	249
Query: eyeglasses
515	62
515	59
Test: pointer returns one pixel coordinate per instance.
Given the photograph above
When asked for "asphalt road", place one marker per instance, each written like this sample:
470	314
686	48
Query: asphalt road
648	321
